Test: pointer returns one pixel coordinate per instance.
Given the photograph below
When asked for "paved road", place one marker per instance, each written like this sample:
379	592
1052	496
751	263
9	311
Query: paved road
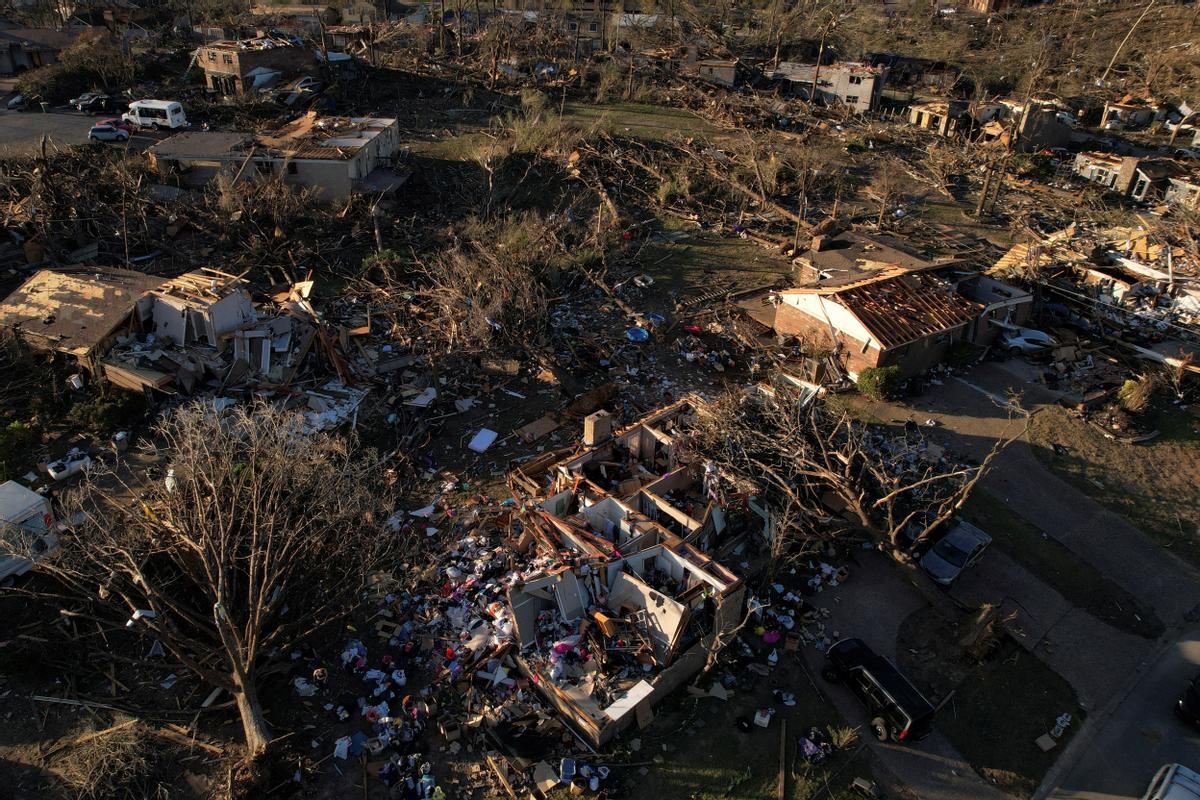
21	131
1125	740
1142	733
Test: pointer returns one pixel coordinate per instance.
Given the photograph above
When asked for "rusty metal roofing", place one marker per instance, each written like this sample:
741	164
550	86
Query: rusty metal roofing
73	310
908	307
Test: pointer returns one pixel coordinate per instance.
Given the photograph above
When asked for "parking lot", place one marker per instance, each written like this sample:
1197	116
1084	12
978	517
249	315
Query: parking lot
21	132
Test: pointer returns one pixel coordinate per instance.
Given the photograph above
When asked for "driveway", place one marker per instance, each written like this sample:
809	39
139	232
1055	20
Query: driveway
21	132
870	606
1124	739
1142	732
971	417
1094	657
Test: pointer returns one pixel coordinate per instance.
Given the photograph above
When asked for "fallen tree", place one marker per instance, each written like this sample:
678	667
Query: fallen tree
830	474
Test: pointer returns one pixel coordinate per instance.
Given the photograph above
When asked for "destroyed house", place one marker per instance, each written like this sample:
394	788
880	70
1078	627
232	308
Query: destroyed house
201	327
246	65
950	117
335	156
601	638
29	48
1139	179
1183	191
1127	115
644	469
856	85
75	311
631	605
872	302
943	117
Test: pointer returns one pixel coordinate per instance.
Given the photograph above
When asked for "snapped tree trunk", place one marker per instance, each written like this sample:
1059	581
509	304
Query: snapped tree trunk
254	724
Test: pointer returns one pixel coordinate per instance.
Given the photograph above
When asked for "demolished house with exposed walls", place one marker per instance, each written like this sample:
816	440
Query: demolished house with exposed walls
854	85
1136	178
202	327
243	66
196	334
872	302
639	606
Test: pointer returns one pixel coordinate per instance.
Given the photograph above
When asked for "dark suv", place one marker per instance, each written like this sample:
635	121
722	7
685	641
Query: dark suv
898	711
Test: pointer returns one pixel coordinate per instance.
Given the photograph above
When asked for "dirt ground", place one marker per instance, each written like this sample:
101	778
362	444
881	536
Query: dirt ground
1156	486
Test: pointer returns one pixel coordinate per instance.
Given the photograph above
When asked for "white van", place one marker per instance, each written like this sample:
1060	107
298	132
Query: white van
26	530
155	114
1174	782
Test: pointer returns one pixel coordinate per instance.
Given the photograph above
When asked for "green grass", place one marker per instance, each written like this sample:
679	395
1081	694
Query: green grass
1076	580
1155	486
641	121
983	723
461	147
853	405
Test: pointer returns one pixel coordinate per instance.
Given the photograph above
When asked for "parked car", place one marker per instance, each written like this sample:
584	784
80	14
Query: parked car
955	552
899	712
27	533
1188	707
304	84
1186	152
1025	340
117	122
1062	314
18	103
107	133
1173	782
83	99
102	104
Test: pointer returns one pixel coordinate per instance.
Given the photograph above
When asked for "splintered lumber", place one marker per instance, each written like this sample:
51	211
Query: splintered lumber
180	735
500	771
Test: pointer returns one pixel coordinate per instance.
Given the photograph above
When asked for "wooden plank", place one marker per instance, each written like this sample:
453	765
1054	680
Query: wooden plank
501	776
781	784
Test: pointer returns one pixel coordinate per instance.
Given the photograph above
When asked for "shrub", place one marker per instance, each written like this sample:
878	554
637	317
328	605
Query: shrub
1135	395
17	443
107	411
880	383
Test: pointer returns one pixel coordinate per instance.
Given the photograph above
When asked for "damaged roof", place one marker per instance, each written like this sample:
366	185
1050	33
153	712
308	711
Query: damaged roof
201	144
901	306
312	136
850	256
73	310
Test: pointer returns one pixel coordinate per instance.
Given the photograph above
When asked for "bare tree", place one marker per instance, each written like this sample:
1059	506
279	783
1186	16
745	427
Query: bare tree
259	538
828	474
887	186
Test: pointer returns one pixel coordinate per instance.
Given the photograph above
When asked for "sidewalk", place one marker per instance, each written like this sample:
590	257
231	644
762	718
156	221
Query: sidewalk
970	421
